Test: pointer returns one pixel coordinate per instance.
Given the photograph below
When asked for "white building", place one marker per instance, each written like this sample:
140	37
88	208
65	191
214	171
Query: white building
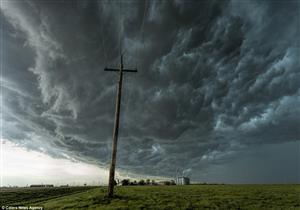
182	180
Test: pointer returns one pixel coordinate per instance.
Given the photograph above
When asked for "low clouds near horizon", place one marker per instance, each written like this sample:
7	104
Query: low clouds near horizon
216	81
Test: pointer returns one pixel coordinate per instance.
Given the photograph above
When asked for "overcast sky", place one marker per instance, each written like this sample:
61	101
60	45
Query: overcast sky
217	95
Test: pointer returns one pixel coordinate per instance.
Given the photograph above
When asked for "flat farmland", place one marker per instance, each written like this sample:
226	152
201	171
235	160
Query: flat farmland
161	197
28	196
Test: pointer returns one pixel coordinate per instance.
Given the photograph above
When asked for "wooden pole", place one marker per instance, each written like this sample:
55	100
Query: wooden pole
111	181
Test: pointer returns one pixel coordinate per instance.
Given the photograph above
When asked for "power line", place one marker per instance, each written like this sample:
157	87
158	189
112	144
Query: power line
104	49
120	28
142	28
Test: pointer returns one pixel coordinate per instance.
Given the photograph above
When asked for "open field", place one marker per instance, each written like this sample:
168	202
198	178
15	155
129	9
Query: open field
28	196
163	197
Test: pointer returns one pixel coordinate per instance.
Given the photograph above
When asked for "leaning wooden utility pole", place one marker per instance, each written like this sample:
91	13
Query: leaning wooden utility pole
111	181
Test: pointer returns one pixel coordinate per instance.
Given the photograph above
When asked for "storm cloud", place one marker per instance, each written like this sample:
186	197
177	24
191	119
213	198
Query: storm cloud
215	79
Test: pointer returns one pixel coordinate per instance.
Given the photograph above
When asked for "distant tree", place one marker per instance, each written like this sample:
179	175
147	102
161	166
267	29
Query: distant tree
153	182
141	182
125	182
148	182
167	183
115	183
134	182
172	182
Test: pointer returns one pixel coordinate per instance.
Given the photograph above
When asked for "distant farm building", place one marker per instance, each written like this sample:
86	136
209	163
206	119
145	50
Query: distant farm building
182	180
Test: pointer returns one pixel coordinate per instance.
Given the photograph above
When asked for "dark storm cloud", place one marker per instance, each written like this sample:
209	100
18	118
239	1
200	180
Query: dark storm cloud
215	77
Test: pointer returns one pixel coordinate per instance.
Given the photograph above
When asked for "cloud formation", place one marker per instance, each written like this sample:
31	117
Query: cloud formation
215	78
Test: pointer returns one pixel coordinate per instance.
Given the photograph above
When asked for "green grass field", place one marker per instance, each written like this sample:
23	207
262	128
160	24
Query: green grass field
161	197
27	196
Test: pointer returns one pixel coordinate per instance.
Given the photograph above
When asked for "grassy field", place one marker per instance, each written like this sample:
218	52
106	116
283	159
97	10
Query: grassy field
27	196
168	197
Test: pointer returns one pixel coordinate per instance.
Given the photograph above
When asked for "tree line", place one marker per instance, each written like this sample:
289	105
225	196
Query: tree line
128	182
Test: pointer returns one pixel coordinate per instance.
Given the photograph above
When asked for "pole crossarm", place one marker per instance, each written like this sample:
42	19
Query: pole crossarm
130	70
124	70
